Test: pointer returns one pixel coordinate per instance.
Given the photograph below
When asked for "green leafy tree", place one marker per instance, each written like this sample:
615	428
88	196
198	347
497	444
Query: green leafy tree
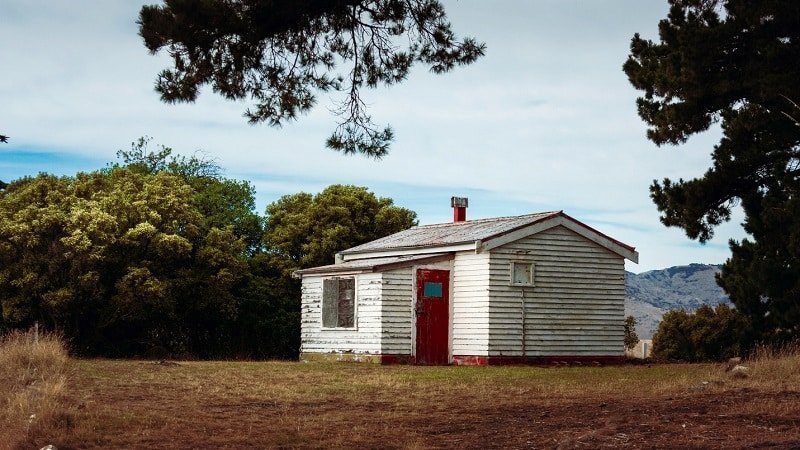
118	259
260	328
708	334
631	338
281	55
307	231
733	62
222	202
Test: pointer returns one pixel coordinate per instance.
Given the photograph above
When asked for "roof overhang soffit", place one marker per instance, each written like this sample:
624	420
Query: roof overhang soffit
582	230
343	257
337	271
341	273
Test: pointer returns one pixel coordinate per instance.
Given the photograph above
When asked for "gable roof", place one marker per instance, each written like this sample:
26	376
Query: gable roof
479	235
441	234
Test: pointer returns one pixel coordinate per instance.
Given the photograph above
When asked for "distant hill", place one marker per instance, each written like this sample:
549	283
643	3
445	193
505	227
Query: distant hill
649	295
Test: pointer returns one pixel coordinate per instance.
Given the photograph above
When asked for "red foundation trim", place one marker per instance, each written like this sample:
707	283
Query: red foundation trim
535	360
461	360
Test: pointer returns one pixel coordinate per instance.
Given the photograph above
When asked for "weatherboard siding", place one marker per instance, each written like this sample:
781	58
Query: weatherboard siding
365	338
470	299
576	306
398	311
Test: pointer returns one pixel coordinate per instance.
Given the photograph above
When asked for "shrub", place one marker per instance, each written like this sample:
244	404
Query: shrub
708	334
631	338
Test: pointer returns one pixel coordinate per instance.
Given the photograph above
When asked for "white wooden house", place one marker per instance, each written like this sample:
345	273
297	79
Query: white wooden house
532	288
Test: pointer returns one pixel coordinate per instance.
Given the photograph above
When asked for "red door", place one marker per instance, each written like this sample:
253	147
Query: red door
433	316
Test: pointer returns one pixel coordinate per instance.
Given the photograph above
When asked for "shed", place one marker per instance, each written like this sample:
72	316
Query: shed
523	289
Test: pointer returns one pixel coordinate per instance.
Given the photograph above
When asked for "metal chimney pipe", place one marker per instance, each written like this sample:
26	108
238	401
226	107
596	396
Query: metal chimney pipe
459	205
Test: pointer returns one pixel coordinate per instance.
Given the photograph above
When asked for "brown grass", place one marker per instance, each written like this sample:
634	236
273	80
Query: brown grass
32	387
775	368
140	404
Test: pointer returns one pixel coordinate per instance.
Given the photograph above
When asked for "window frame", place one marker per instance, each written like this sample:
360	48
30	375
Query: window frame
531	279
355	303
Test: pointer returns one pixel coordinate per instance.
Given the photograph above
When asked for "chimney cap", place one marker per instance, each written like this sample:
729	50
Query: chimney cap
459	202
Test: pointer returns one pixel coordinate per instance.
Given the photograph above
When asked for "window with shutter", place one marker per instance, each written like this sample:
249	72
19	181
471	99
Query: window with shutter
338	302
330	293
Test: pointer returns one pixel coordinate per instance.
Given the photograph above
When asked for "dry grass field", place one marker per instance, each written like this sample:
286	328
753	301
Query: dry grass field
32	386
142	404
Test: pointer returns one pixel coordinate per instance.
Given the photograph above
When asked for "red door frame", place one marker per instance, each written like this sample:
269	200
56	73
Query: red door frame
432	316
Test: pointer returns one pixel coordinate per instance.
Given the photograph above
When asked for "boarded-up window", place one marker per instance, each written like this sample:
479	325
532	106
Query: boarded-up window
521	273
338	302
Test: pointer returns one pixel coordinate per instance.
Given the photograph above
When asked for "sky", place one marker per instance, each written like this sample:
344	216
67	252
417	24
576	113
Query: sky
545	121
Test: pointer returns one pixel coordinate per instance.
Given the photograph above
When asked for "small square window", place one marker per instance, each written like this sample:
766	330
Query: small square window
433	290
521	273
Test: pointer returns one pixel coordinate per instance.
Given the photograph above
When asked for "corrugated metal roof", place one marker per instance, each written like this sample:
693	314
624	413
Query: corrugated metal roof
451	233
373	264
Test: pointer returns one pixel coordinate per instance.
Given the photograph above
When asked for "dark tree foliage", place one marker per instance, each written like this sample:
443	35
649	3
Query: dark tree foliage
268	325
734	62
708	334
282	54
3	139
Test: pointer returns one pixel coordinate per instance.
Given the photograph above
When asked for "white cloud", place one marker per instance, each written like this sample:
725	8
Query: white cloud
546	120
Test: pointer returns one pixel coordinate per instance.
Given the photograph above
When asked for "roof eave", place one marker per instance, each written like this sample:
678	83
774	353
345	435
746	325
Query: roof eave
409	250
334	270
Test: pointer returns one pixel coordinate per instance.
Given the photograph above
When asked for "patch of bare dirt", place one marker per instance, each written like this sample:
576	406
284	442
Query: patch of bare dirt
191	406
688	421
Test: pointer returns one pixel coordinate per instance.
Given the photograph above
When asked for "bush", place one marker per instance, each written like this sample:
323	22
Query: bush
32	382
631	338
708	334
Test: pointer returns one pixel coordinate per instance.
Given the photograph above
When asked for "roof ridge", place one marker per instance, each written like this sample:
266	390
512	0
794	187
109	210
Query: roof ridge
487	219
